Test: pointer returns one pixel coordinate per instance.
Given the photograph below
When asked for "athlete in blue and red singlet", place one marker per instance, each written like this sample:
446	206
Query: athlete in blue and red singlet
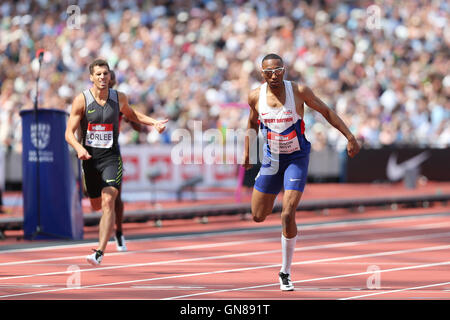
277	108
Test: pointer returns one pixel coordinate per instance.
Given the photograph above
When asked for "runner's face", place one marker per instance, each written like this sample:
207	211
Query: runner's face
273	72
100	77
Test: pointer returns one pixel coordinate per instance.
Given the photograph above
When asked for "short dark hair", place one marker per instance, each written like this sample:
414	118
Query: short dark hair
97	62
272	56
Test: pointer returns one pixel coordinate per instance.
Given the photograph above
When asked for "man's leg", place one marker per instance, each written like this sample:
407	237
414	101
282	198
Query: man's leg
288	237
262	205
295	178
291	200
119	212
102	185
106	227
120	239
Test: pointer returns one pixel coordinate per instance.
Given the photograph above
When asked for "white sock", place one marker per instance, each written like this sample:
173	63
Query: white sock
287	253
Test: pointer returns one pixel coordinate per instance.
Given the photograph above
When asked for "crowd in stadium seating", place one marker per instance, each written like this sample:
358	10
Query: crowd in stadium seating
384	70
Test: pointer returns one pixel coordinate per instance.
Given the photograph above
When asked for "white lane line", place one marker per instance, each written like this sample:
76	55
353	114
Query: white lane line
397	290
228	243
188	247
319	279
314	247
386	253
337	224
227	256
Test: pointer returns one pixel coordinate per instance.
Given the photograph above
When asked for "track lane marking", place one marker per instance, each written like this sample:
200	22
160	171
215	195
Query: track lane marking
386	253
396	290
319	279
238	242
314	247
314	226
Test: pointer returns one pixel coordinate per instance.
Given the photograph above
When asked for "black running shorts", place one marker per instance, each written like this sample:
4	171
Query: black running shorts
101	173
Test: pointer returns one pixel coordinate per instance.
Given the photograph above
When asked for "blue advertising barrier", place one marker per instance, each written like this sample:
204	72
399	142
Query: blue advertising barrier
51	189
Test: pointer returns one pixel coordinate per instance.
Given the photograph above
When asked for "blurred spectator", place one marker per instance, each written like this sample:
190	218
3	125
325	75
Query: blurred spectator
184	59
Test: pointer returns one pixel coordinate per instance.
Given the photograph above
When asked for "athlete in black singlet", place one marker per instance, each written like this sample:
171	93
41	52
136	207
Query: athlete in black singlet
96	111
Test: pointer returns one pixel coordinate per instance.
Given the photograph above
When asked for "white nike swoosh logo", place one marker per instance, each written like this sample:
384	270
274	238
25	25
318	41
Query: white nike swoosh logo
294	179
396	171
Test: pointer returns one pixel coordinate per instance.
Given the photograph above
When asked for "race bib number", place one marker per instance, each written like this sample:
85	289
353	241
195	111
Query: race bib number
279	143
99	135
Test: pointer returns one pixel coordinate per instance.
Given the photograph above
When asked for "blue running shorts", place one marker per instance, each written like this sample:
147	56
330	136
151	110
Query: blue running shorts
290	174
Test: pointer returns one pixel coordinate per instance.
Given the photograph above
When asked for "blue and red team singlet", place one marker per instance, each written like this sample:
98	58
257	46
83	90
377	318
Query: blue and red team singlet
286	150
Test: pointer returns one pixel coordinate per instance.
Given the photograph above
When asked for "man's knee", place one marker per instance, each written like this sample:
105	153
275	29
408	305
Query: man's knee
262	205
290	204
109	195
259	218
288	215
259	214
108	202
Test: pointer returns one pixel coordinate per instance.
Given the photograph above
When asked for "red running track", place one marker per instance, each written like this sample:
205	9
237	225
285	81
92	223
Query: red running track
403	254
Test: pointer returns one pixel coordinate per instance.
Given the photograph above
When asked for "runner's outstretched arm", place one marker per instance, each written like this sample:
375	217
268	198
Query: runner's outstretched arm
136	116
315	103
